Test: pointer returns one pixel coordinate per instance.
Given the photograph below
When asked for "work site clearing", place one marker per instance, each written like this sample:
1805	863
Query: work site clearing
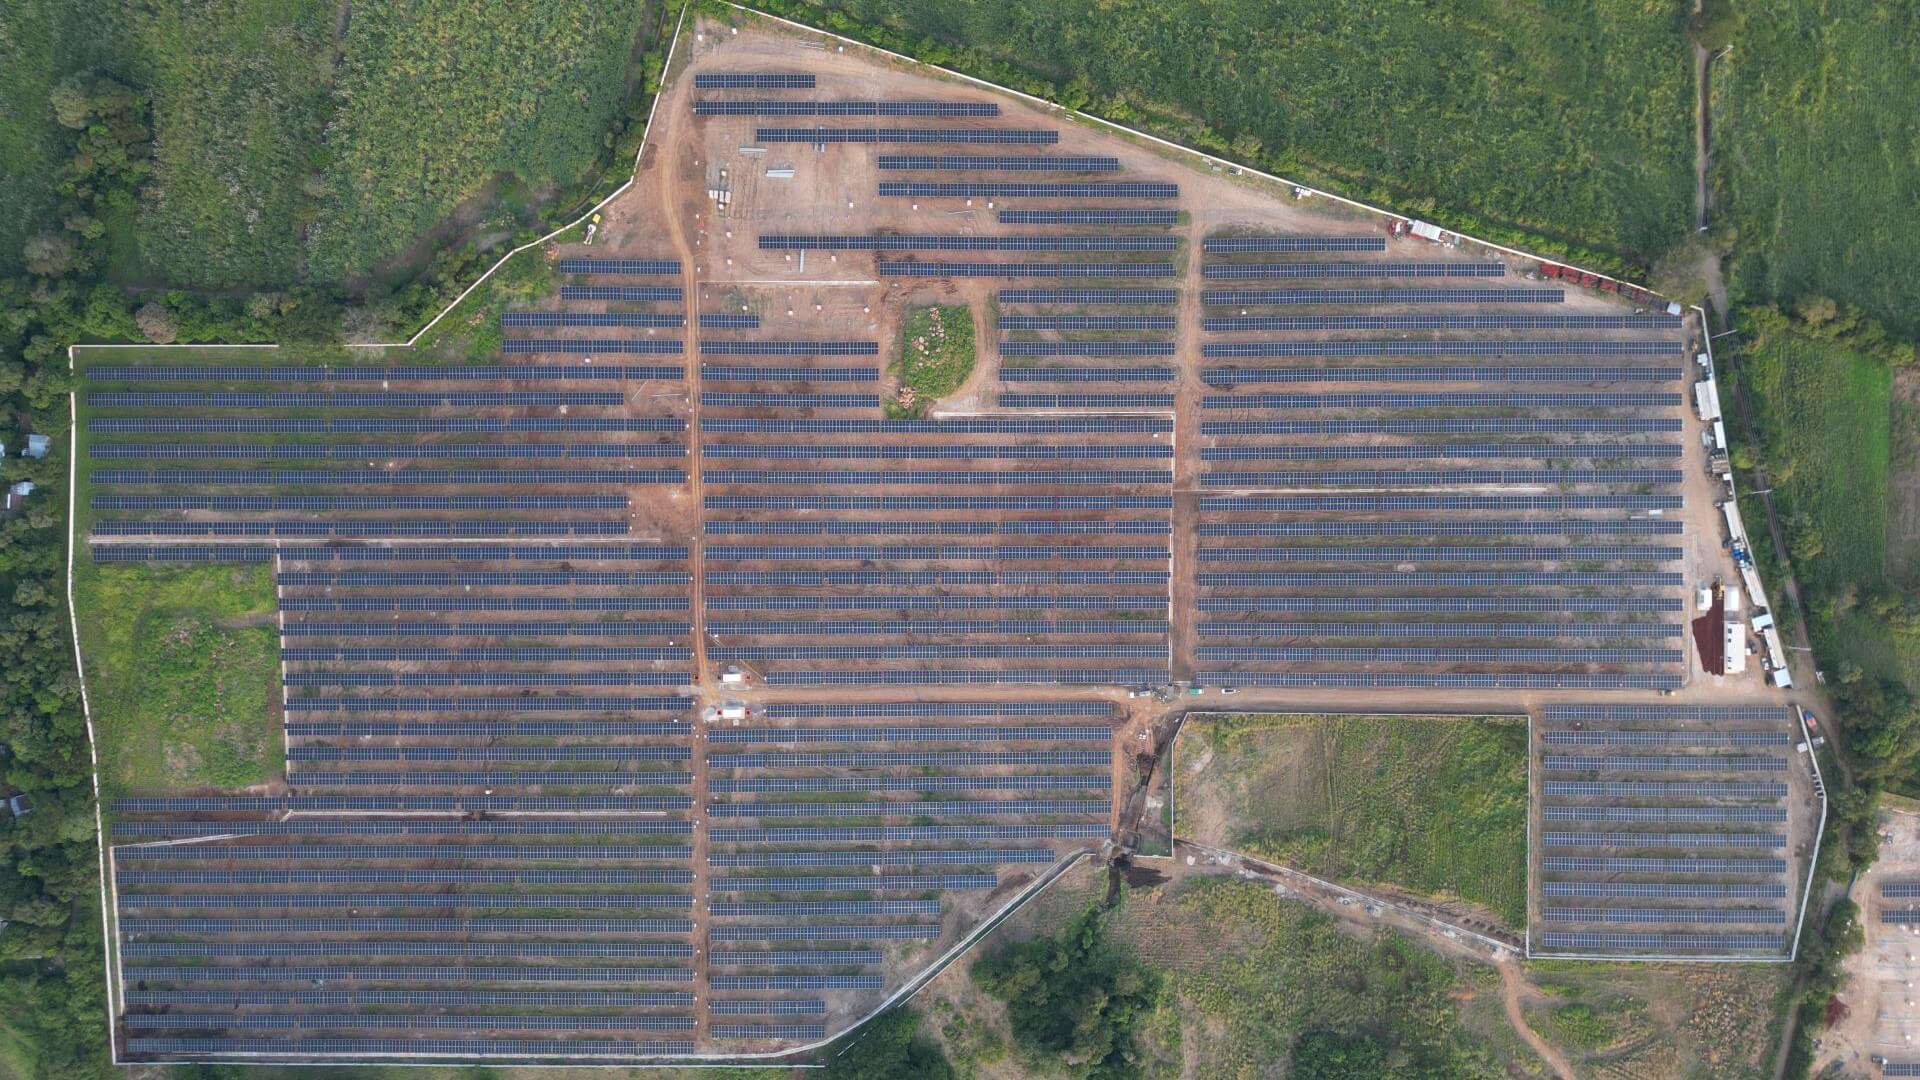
726	658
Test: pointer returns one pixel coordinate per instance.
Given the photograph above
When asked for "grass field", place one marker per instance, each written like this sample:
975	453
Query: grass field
184	670
241	102
1571	123
1433	805
1817	140
1826	414
40	44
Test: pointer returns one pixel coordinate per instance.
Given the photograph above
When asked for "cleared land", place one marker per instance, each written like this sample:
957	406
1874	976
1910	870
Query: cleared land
1432	805
532	577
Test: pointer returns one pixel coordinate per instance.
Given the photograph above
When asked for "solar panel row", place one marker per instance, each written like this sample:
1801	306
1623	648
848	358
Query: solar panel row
412	373
372	400
227	425
712	107
1246	376
1230	298
1439	322
997	163
825	135
1227	245
964	242
902	268
1010	425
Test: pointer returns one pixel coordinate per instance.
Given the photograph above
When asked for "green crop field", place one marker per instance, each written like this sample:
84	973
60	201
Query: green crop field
1434	805
438	98
241	100
1568	123
1817	142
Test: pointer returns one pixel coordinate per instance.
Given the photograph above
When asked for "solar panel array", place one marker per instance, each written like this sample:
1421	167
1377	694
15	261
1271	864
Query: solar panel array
809	895
1533	555
797	593
490	826
1659	802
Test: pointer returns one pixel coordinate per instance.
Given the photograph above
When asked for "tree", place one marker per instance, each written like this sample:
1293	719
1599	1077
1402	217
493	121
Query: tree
50	255
1817	311
1073	1000
1326	1055
72	101
890	1046
157	323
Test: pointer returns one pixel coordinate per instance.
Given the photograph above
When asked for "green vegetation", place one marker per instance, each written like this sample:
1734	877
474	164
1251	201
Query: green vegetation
1073	999
1816	128
1579	1025
1687	1021
471	332
1434	805
936	355
886	1047
1564	129
296	142
241	101
185	673
1820	384
437	98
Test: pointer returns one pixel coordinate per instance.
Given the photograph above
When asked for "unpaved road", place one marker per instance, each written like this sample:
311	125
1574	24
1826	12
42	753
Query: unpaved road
1514	988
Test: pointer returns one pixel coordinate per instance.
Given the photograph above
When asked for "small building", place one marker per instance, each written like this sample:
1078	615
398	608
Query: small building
19	805
37	446
17	494
1734	654
1706	400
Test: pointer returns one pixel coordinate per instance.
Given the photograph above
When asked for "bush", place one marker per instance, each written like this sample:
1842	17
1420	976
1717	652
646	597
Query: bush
888	1047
